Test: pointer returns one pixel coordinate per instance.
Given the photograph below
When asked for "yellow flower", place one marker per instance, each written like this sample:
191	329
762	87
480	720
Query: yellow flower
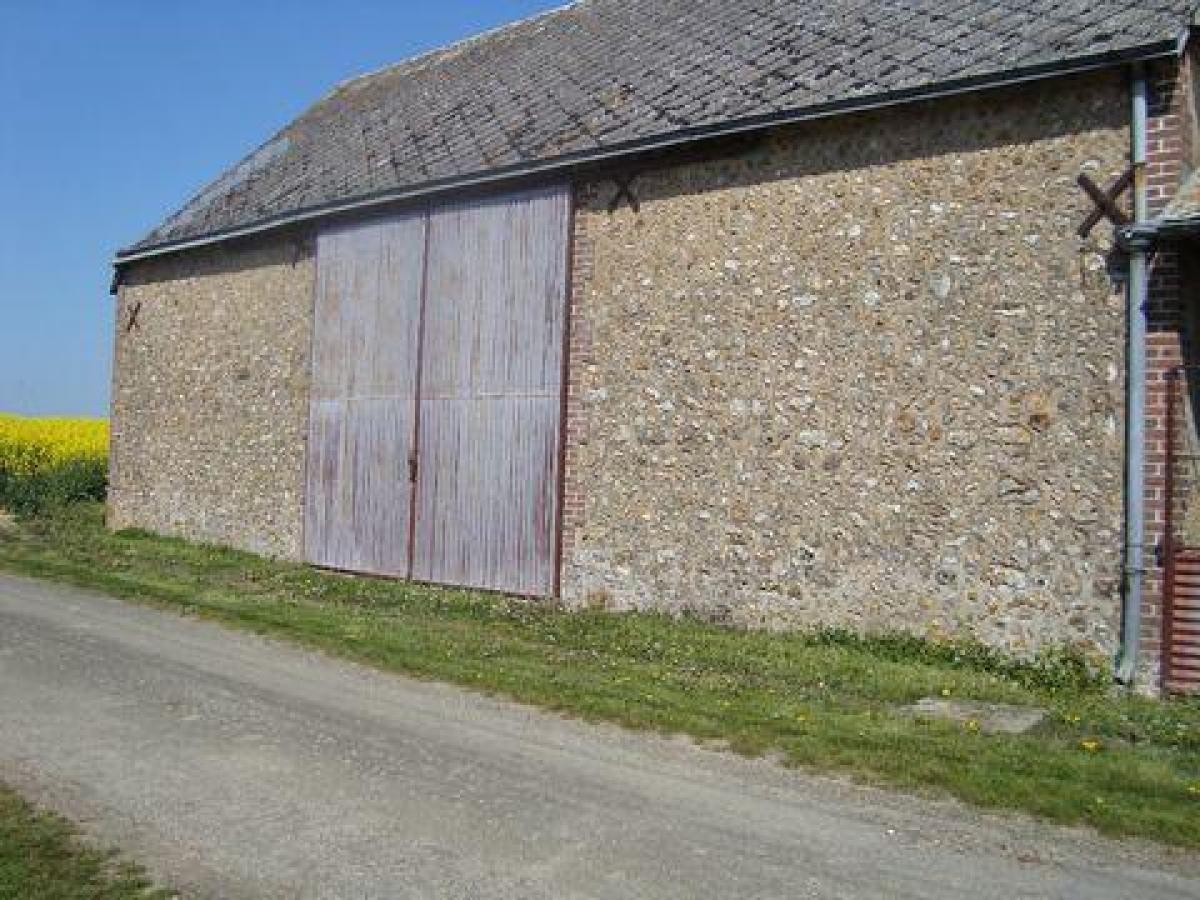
972	725
1194	789
1090	745
37	446
945	692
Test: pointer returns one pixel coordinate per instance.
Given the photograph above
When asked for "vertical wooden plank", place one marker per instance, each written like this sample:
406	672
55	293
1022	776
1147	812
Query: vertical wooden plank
369	281
486	496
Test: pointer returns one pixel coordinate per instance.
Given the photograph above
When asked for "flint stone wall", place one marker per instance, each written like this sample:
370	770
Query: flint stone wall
210	395
863	375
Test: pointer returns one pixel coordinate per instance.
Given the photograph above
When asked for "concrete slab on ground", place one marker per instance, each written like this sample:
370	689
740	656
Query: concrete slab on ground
990	718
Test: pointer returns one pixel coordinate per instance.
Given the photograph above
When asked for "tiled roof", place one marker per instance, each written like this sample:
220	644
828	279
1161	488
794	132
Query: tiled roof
605	75
1185	206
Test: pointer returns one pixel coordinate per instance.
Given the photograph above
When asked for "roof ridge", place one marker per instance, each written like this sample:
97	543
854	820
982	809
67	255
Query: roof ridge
534	95
453	47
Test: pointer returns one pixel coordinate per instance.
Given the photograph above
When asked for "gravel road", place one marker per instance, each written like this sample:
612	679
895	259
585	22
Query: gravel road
234	766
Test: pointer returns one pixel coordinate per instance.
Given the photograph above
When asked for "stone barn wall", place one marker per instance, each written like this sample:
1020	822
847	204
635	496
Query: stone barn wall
863	374
210	395
860	374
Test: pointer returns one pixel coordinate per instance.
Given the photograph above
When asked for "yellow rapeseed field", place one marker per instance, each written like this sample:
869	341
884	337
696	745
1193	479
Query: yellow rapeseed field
36	446
51	460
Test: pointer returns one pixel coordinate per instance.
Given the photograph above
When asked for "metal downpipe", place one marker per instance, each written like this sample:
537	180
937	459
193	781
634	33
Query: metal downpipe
1135	422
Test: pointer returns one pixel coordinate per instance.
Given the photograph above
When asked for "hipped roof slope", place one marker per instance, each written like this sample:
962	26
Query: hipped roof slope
604	76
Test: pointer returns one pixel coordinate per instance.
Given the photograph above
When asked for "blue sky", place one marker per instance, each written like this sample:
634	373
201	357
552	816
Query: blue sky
114	112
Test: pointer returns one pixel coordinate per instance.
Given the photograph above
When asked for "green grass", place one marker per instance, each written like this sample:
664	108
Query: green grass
72	481
827	701
41	859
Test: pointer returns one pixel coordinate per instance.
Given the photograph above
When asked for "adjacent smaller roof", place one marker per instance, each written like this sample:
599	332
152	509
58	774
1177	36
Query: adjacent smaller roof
1180	219
1186	205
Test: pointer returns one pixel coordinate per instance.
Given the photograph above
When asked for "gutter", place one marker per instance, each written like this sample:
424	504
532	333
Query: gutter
619	152
1135	410
1149	233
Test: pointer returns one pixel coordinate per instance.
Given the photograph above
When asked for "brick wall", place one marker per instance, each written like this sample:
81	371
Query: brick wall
1169	152
579	356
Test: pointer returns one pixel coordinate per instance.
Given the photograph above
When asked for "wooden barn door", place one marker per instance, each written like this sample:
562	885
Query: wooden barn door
491	393
435	424
366	332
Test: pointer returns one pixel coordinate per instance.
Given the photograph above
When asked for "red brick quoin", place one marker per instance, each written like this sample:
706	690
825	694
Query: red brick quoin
1168	149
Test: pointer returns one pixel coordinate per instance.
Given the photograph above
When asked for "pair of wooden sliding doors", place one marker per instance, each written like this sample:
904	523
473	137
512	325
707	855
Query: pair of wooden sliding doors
435	421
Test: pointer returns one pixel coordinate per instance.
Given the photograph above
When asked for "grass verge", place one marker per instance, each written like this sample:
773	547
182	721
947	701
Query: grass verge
1124	765
41	859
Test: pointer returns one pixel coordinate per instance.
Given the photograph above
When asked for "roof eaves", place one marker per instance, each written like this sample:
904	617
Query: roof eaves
845	106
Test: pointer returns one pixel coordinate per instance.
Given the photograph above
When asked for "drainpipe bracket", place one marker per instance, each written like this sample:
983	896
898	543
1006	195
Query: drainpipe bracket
1139	238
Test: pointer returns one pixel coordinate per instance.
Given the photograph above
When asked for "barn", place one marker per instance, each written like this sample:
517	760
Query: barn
786	314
